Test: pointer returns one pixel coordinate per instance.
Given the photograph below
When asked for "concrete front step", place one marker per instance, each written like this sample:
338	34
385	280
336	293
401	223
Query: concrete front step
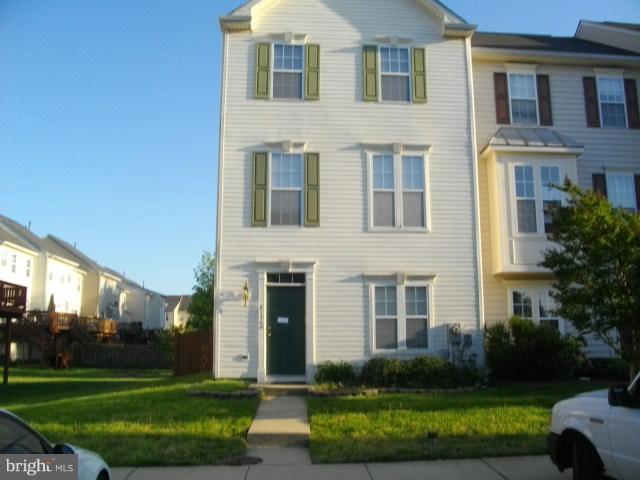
281	421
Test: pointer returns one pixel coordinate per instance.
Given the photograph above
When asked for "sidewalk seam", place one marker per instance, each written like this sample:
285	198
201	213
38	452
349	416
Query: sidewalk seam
130	473
366	467
494	469
246	473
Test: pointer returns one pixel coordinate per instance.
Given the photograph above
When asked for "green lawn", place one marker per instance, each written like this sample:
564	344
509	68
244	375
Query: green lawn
494	422
132	418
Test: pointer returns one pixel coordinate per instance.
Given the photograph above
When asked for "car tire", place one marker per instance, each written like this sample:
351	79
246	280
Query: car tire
585	461
103	475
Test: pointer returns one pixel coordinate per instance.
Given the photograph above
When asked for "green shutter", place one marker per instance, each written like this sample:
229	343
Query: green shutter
370	73
263	54
312	72
312	189
259	194
419	76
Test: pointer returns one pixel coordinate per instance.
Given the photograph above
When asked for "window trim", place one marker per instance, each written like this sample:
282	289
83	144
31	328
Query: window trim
625	173
409	49
535	294
524	71
612	76
269	188
272	51
401	316
398	192
537	186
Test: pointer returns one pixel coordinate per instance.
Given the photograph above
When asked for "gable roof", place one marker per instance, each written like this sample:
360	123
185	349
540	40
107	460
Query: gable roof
629	27
84	260
172	301
9	236
544	43
22	234
242	17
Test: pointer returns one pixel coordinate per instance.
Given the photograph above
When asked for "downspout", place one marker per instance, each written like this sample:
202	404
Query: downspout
476	192
217	279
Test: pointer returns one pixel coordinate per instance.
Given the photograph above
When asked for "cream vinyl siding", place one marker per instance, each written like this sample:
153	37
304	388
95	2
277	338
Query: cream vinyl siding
611	148
335	126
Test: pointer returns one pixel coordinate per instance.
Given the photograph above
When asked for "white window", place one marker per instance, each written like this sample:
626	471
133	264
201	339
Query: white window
395	78
547	309
398	192
613	110
621	190
287	71
386	321
3	259
286	189
14	263
551	197
28	269
525	199
383	191
522	304
523	98
536	304
413	192
417	317
401	317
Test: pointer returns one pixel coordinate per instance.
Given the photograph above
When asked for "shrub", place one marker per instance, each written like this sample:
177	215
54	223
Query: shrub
522	350
419	372
341	373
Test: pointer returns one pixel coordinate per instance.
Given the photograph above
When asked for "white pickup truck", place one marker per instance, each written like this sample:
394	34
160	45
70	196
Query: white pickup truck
597	434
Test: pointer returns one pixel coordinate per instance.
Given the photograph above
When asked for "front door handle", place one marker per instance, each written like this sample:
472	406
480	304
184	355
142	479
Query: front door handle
268	331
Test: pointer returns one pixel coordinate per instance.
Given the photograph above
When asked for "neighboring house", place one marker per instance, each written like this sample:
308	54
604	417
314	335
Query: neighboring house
177	310
615	34
18	261
53	271
103	287
347	191
547	108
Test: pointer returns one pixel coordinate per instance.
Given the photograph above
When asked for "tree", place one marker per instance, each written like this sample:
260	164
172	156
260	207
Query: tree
596	263
201	307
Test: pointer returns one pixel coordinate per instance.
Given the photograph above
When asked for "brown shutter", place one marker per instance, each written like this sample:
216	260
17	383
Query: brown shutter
637	181
631	92
591	101
544	100
502	98
599	184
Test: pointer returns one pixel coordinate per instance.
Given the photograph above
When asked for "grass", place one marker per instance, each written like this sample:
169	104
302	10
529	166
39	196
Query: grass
132	418
493	422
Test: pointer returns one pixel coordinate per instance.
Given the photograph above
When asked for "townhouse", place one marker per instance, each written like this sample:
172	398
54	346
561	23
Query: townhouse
384	175
47	272
547	108
347	211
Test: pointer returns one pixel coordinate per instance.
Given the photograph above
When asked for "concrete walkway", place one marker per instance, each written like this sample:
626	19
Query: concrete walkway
280	421
509	468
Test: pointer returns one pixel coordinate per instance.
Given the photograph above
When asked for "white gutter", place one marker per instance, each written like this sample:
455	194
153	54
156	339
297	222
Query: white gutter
476	186
565	58
218	257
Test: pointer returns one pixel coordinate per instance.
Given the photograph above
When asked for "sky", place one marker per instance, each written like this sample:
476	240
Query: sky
109	116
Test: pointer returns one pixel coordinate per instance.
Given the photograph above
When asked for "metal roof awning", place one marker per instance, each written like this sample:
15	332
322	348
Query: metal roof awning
532	140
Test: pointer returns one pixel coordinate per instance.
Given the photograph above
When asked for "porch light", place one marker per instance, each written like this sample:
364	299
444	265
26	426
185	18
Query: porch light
245	292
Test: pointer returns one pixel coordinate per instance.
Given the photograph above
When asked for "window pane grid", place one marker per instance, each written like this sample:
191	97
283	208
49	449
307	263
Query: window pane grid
522	304
621	191
287	58
522	92
525	199
394	60
386	318
612	102
551	197
395	68
286	189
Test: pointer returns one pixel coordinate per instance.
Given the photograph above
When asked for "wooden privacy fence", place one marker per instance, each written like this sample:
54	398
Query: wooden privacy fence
193	352
119	356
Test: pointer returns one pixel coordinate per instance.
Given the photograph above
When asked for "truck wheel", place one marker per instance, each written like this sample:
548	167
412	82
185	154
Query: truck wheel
585	461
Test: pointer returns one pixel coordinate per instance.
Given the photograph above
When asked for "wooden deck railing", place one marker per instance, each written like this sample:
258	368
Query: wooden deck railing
13	299
64	322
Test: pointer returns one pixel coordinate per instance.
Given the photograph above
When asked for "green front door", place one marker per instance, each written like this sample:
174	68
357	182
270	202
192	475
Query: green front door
285	331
